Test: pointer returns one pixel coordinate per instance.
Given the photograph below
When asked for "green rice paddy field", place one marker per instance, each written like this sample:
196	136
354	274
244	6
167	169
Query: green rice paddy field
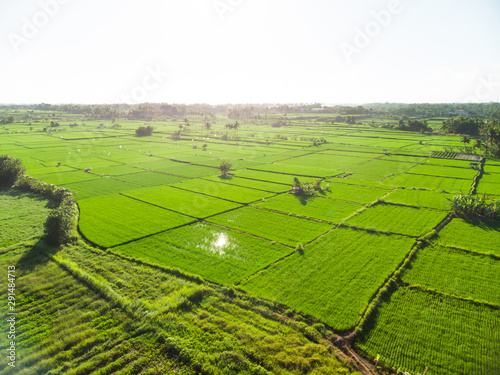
163	201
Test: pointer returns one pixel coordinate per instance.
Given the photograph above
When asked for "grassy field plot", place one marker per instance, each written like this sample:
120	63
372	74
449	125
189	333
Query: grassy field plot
328	161
279	178
225	191
482	235
456	272
420	198
488	188
182	201
84	161
253	184
95	188
491	178
417	329
149	178
316	207
281	228
61	178
113	219
297	170
69	328
335	277
491	168
188	170
38	169
403	220
116	170
408	180
22	216
215	253
354	193
379	169
442	171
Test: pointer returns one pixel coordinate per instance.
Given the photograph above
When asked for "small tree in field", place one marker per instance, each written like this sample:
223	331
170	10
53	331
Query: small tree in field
144	131
224	167
10	170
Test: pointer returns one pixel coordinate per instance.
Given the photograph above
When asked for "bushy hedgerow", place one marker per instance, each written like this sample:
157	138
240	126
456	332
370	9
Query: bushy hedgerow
49	191
59	223
10	170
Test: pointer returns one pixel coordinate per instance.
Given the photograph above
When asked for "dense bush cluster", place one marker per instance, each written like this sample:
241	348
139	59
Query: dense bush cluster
48	191
469	206
10	170
462	125
144	131
413	125
308	189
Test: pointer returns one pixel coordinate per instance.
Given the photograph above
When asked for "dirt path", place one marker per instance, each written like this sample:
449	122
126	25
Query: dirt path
344	344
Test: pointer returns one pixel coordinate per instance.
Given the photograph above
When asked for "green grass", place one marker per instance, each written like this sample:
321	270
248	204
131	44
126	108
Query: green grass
442	171
488	188
456	272
64	327
416	329
81	310
281	228
376	170
186	202
224	191
403	220
116	170
215	253
95	188
66	177
37	169
298	170
420	198
315	207
335	277
354	193
450	185
477	235
187	170
149	178
113	219
253	184
22	216
270	177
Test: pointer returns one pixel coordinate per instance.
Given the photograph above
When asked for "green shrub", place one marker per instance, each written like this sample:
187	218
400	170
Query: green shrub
299	248
470	206
10	170
59	224
144	131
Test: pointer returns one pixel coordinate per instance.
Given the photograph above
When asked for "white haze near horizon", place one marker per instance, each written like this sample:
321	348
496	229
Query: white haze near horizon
249	51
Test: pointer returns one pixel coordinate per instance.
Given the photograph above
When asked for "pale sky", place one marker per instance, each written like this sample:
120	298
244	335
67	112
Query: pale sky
249	51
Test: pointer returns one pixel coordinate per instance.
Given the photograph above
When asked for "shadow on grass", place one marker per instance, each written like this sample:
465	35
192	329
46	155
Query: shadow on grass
485	224
19	194
36	256
303	199
225	178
